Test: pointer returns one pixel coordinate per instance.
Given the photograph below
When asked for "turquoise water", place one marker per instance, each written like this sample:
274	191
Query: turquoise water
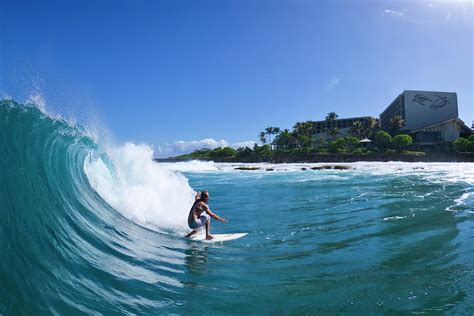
92	228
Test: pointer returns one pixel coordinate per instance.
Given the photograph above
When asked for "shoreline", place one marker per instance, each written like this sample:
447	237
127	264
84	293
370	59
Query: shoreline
329	158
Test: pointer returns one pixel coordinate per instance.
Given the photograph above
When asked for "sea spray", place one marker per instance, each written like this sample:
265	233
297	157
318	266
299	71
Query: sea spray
191	166
140	189
126	176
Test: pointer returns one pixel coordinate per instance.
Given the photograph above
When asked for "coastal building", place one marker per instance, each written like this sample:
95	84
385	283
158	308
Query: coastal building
344	125
429	116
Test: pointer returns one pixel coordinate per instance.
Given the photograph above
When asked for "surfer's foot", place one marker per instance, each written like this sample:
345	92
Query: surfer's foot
191	234
209	237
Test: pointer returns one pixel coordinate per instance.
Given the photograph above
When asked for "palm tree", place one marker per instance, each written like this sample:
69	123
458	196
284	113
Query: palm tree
262	137
358	129
271	131
302	132
284	139
397	122
372	123
333	132
331	117
372	126
303	128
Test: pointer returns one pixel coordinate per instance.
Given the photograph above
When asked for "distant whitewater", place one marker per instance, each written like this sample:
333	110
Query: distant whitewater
93	228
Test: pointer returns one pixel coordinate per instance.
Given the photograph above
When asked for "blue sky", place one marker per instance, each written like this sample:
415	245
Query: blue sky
159	72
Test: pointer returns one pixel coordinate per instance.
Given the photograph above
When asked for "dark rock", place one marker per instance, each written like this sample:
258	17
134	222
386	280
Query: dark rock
339	167
335	167
269	169
247	168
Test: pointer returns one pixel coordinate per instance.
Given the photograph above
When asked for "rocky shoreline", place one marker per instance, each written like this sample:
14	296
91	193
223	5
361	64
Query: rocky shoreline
323	167
334	158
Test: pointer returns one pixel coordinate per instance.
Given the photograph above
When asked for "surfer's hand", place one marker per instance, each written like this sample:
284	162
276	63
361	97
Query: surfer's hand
225	221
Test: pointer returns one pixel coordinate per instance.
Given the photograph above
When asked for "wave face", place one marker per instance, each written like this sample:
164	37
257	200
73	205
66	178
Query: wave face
64	247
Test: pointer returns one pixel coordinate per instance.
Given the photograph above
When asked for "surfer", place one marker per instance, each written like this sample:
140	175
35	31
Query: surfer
200	215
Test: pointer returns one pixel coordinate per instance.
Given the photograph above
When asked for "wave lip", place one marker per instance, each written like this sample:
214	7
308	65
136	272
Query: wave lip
140	189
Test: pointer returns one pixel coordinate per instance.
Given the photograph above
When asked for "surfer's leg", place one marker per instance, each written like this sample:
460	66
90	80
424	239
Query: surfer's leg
194	232
208	227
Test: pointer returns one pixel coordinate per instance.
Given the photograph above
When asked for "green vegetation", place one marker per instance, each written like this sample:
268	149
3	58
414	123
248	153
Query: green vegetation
331	129
299	142
207	154
359	151
402	141
338	146
271	131
396	123
263	138
464	144
383	140
358	129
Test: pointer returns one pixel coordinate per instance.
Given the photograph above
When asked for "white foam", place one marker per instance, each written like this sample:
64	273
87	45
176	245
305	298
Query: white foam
394	218
140	189
433	172
38	101
465	200
191	166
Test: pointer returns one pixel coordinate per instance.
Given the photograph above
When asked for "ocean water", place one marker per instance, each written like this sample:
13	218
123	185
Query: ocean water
94	228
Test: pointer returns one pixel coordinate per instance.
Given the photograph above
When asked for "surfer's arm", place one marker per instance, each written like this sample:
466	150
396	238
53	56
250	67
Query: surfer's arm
215	216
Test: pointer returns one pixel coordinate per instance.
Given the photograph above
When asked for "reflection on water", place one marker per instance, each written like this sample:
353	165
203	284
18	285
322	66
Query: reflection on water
196	258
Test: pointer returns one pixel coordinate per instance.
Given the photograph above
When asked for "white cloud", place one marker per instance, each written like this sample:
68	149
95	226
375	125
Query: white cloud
438	13
396	13
197	144
332	83
185	147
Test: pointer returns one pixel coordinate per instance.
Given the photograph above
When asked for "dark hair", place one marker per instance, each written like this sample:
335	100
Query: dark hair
204	194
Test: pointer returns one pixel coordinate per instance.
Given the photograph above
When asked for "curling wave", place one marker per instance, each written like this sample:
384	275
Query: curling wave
69	208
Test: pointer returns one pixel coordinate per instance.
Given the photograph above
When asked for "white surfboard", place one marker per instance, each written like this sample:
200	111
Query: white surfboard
217	237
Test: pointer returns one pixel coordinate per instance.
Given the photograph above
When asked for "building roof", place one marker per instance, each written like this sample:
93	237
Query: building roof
348	118
459	121
428	91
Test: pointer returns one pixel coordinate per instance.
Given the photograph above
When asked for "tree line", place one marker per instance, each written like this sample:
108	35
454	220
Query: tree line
299	140
301	135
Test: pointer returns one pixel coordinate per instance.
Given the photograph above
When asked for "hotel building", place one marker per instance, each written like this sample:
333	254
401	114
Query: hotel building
429	116
344	125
